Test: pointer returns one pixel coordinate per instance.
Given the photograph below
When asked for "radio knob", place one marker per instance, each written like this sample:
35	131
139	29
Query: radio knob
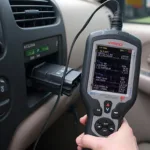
3	88
1	49
4	107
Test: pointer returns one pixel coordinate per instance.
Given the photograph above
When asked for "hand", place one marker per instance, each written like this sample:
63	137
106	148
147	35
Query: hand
123	139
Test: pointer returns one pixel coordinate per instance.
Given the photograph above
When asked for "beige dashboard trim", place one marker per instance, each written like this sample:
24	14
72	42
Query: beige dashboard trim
144	82
143	33
29	129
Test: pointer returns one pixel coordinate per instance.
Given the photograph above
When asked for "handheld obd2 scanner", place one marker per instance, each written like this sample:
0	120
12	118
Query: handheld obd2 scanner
109	79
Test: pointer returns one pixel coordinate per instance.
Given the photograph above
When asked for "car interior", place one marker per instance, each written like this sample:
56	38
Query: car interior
50	26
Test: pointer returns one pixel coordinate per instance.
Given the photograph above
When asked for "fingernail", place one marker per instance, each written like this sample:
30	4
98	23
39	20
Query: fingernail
84	116
79	148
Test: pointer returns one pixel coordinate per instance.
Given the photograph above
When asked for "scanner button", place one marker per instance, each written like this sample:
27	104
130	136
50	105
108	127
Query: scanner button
105	132
107	106
98	127
97	111
119	111
105	124
115	114
111	128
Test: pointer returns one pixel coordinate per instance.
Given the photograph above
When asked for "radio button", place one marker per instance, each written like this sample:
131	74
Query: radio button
3	88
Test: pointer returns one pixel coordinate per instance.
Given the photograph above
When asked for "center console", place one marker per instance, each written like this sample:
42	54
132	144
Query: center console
31	32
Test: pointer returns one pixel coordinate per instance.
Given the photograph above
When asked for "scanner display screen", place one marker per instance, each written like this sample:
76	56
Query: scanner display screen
112	68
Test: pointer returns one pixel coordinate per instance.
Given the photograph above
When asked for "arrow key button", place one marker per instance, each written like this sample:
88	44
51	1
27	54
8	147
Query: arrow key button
107	106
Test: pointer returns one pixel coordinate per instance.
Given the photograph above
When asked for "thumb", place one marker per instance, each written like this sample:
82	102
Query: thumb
88	141
125	128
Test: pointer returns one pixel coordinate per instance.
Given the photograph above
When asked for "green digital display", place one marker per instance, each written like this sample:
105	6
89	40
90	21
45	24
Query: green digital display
44	48
32	52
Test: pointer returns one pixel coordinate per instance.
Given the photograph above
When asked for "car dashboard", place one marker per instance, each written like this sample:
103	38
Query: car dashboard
33	32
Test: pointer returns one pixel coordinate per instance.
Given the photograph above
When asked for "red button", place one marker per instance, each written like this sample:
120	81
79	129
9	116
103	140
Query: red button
107	105
122	98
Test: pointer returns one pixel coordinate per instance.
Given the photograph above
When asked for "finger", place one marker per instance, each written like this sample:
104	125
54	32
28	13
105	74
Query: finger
91	142
79	148
83	120
78	139
124	124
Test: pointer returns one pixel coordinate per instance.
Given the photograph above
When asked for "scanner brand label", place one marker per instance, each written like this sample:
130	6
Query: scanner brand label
115	43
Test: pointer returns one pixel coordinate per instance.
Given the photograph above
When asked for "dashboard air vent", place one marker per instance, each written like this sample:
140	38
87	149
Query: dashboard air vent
33	13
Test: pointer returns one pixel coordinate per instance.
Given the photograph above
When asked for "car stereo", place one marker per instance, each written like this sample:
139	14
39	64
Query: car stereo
36	49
